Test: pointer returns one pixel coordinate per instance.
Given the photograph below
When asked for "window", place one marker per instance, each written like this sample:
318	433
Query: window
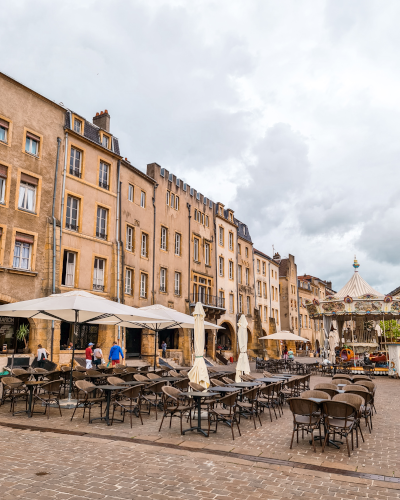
128	281
104	173
202	219
4	131
260	312
23	251
3	180
239	249
195	214
221	266
68	272
77	126
101	223
265	313
143	286
231	308
240	303
172	200
75	162
142	199
130	238
198	215
71	220
176	202
98	274
272	273
221	236
230	241
247	276
144	245
105	141
164	238
207	254
277	316
196	249
259	288
265	290
258	265
230	270
177	244
163	279
263	268
248	305
177	284
130	192
276	275
206	220
240	275
246	252
167	199
32	144
27	193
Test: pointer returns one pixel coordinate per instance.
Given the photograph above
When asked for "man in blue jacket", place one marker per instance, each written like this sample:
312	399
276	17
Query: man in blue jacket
115	351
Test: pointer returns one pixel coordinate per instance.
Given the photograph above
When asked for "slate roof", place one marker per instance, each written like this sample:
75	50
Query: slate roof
243	230
91	132
394	292
262	254
283	267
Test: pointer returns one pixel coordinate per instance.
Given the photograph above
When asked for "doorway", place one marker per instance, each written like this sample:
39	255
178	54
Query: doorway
133	342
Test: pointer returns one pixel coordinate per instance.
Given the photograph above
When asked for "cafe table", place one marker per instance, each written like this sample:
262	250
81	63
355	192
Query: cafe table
282	375
198	396
31	384
108	389
270	380
333	442
222	389
244	385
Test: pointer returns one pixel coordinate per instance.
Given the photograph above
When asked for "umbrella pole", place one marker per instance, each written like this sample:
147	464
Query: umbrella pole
72	358
155	347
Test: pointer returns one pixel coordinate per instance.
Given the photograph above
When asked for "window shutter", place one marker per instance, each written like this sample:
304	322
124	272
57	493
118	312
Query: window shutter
29	179
33	136
3	171
4	124
24	238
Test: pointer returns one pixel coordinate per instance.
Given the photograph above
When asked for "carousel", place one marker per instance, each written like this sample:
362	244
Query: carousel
351	320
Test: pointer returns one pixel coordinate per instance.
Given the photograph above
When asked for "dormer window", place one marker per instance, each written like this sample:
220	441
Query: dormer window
78	126
105	142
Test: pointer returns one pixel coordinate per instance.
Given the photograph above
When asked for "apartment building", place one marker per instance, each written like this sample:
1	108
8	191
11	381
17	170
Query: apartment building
267	291
289	312
226	249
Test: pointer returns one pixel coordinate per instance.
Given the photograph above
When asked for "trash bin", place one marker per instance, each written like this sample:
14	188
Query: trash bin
231	359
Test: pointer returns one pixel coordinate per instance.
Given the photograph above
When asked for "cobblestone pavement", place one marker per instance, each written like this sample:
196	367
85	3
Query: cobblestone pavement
51	466
168	471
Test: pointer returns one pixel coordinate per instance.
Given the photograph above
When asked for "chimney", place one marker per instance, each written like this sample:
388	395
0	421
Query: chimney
329	284
277	256
102	120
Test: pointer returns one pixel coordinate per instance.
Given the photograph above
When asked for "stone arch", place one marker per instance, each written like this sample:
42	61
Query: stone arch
263	333
249	336
226	336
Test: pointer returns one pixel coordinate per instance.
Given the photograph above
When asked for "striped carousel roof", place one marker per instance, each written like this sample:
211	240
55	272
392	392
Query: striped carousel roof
357	287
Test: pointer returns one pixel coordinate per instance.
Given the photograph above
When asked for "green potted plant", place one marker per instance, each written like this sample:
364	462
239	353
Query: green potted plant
22	334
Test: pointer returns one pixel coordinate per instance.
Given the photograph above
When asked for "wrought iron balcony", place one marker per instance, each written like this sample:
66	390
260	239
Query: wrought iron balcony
72	227
207	300
75	172
101	234
97	287
104	185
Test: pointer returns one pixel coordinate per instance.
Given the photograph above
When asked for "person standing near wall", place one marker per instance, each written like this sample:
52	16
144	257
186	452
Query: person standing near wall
89	356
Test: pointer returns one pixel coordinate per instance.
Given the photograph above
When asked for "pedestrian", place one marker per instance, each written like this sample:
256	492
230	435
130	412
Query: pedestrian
290	354
42	354
285	353
89	355
71	346
98	356
115	352
164	349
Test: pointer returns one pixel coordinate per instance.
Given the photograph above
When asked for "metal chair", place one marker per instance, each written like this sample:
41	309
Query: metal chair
306	417
50	396
226	413
340	419
357	401
13	390
90	398
248	406
130	400
175	404
315	394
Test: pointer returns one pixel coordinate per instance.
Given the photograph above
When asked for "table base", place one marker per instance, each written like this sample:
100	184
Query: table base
198	429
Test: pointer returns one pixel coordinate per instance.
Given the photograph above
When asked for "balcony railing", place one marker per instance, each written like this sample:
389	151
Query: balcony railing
103	185
207	300
99	288
101	235
71	226
75	172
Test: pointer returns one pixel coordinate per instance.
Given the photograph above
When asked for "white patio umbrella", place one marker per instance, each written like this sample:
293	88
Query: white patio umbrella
243	365
283	335
199	373
77	307
173	319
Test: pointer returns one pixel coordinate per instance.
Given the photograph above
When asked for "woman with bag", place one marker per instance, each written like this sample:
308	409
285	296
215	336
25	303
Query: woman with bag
97	355
42	354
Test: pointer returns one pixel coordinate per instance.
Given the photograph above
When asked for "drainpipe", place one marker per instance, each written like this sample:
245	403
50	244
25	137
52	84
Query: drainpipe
190	216
216	261
54	240
298	305
154	242
63	185
117	229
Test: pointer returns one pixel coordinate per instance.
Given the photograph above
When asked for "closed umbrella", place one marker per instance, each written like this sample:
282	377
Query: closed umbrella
243	365
199	373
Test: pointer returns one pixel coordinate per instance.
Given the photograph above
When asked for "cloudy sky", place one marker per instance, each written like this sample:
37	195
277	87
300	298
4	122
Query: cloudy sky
287	111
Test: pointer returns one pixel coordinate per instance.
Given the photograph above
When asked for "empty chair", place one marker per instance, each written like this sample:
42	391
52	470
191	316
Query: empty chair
173	373
80	368
342	376
331	389
129	401
228	380
315	394
357	401
175	404
112	380
355	387
89	395
13	390
131	369
204	402
267	374
248	406
152	395
217	383
141	378
182	385
184	373
306	417
18	371
266	399
337	381
50	396
226	412
153	376
366	409
361	377
368	384
340	418
40	370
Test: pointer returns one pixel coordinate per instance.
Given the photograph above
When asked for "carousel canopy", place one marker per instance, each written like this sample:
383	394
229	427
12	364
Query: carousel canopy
357	287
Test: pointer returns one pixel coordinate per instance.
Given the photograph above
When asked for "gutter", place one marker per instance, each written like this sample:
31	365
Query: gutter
190	216
63	184
154	242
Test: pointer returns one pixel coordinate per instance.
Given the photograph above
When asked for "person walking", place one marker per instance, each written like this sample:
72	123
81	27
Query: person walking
290	354
89	354
42	354
164	349
285	353
98	356
115	352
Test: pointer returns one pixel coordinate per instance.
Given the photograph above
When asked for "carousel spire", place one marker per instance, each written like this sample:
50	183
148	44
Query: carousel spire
356	265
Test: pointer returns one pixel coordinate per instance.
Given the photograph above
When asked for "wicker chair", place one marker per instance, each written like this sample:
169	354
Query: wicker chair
18	371
115	380
141	378
173	373
331	389
131	369
340	419
226	412
315	394
130	400
51	395
152	395
372	389
367	408
337	381
153	376
355	387
175	404
182	385
205	403
13	390
267	374
267	399
248	406
357	401
90	397
217	383
228	380
184	373
306	417
342	376
361	377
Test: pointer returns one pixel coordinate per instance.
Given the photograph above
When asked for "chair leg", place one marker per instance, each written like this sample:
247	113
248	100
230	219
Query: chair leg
291	443
112	418
312	438
59	407
162	420
325	440
74	411
347	442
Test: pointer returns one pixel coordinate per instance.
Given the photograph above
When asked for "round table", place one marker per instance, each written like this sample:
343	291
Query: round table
198	396
108	390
